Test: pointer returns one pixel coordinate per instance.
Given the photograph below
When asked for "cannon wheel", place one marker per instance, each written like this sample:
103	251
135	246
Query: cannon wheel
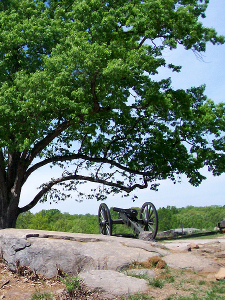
104	219
149	217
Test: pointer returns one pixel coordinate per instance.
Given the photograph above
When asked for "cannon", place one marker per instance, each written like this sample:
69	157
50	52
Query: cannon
147	221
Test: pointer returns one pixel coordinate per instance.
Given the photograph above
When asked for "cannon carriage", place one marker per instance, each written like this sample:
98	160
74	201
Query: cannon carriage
147	221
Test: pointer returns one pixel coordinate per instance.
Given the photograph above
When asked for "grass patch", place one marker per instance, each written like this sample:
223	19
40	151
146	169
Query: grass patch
43	296
180	285
166	276
218	287
202	282
139	276
72	284
156	282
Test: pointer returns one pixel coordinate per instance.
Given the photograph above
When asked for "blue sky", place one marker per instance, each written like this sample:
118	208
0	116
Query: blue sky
210	71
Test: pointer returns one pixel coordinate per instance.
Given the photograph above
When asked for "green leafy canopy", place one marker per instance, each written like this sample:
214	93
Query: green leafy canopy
77	87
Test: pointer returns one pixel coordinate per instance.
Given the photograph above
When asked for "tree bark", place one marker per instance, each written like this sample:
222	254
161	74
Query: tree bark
9	214
11	180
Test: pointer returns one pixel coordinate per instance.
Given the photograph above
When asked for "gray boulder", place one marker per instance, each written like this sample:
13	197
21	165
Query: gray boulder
114	283
189	261
48	252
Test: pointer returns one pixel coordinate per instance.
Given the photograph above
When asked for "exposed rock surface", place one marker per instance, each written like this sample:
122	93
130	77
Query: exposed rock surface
141	272
177	232
221	274
72	253
99	259
114	283
190	261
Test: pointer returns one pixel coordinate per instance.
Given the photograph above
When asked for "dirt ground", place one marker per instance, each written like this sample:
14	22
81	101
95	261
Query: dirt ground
14	286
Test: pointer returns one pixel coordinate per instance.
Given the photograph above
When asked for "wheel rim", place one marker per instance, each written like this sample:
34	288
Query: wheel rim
105	222
149	218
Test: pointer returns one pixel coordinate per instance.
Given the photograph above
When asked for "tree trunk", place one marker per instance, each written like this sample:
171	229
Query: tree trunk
9	210
11	181
8	221
8	216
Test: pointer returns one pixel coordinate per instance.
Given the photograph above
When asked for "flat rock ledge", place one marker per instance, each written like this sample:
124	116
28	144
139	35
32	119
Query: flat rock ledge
99	260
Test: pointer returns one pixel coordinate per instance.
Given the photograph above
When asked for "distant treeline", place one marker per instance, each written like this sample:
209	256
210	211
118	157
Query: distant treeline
169	218
206	217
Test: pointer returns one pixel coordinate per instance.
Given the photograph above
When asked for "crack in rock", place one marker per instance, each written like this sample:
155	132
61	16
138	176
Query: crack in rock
13	245
62	237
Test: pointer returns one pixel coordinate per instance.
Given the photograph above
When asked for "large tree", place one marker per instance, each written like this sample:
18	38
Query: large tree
77	90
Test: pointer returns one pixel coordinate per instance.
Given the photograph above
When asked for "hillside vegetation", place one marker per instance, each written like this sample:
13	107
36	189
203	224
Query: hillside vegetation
169	218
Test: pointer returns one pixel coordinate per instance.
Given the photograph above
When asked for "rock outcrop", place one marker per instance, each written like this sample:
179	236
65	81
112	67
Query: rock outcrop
45	252
100	259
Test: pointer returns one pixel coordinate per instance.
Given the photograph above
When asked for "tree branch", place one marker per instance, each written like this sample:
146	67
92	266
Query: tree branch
50	137
142	42
49	185
84	157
